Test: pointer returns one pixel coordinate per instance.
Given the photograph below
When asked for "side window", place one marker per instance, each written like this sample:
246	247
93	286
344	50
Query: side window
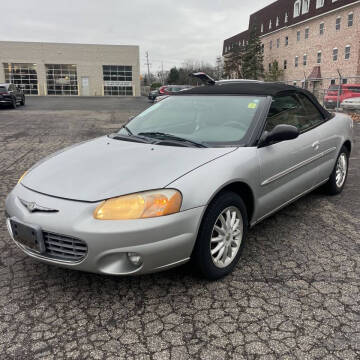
283	110
296	110
313	116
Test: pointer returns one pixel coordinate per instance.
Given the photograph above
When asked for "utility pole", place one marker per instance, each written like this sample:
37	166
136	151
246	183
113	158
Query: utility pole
339	89
162	73
148	65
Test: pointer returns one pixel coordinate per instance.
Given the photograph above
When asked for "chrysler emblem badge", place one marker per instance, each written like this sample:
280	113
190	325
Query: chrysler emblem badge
32	207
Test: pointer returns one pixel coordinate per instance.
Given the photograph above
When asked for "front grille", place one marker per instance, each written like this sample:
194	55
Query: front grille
64	247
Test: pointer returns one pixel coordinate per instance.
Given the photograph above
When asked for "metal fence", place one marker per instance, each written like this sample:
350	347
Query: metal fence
328	90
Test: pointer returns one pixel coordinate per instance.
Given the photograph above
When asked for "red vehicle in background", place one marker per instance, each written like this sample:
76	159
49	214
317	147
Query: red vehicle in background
336	95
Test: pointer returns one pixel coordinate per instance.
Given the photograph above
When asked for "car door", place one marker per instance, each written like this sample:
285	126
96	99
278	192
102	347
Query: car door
288	169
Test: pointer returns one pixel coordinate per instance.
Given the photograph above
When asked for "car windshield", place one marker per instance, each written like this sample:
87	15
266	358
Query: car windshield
215	120
2	89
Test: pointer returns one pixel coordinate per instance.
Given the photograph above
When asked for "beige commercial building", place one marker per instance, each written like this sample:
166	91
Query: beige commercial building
71	69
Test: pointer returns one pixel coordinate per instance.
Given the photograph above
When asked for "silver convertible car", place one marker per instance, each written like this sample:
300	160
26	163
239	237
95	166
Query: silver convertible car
183	180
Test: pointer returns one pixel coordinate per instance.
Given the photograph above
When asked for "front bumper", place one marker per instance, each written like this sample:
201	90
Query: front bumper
162	242
330	104
350	106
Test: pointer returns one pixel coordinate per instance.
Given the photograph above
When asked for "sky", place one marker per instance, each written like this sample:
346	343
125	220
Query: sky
172	31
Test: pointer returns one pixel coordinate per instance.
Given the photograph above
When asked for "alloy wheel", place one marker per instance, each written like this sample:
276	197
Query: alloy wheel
226	237
341	170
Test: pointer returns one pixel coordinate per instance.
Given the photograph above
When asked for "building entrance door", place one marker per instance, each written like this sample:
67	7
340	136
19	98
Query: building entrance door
85	86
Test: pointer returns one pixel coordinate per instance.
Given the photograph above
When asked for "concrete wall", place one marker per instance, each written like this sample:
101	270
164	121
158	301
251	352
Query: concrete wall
88	58
331	39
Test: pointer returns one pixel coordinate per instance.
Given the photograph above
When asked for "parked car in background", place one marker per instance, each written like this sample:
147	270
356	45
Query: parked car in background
172	89
168	90
194	176
153	94
11	95
351	104
336	94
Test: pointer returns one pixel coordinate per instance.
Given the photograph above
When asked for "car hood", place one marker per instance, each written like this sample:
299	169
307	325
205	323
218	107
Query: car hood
104	168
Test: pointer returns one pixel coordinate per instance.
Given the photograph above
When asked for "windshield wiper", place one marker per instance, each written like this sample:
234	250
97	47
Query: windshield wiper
128	130
133	138
164	136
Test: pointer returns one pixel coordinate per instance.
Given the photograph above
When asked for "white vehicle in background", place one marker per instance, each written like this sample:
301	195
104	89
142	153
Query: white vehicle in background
351	104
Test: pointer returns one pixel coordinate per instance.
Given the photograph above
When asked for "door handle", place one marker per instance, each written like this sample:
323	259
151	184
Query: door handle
316	145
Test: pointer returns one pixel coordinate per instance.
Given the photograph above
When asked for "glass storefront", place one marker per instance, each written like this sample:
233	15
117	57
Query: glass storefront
117	80
23	75
61	79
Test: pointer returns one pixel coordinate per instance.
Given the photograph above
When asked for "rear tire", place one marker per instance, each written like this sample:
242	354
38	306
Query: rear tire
221	236
22	102
13	104
337	180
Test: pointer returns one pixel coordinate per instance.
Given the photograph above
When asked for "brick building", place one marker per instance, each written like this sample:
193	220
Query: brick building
310	39
71	69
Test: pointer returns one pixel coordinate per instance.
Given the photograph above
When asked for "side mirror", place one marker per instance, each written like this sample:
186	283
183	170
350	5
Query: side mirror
279	133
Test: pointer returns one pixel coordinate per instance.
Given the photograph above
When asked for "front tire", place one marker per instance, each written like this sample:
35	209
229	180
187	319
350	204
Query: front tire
337	180
13	104
221	236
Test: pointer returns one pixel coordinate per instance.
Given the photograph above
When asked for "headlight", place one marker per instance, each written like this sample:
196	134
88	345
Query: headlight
22	176
139	206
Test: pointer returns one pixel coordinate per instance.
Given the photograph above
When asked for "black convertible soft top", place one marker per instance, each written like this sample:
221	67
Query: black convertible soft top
253	88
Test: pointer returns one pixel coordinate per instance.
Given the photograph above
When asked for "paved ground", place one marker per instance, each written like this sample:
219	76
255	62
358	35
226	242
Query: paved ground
295	293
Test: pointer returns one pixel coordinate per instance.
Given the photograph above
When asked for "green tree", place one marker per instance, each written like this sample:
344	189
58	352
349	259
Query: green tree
252	59
274	73
173	77
233	62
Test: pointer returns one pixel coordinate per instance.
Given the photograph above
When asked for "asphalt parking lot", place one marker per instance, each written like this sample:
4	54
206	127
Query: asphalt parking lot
294	295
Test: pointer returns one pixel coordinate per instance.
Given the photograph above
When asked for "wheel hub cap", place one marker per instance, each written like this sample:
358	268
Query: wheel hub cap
341	170
226	237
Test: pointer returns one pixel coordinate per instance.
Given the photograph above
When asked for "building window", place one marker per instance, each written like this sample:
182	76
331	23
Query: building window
297	7
307	31
298	36
332	82
270	24
117	80
322	28
262	48
285	64
305	60
319	57
262	28
305	6
347	52
23	75
61	79
286	17
271	44
296	61
277	21
344	81
278	43
269	66
319	3
338	23
350	19
335	54
286	40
